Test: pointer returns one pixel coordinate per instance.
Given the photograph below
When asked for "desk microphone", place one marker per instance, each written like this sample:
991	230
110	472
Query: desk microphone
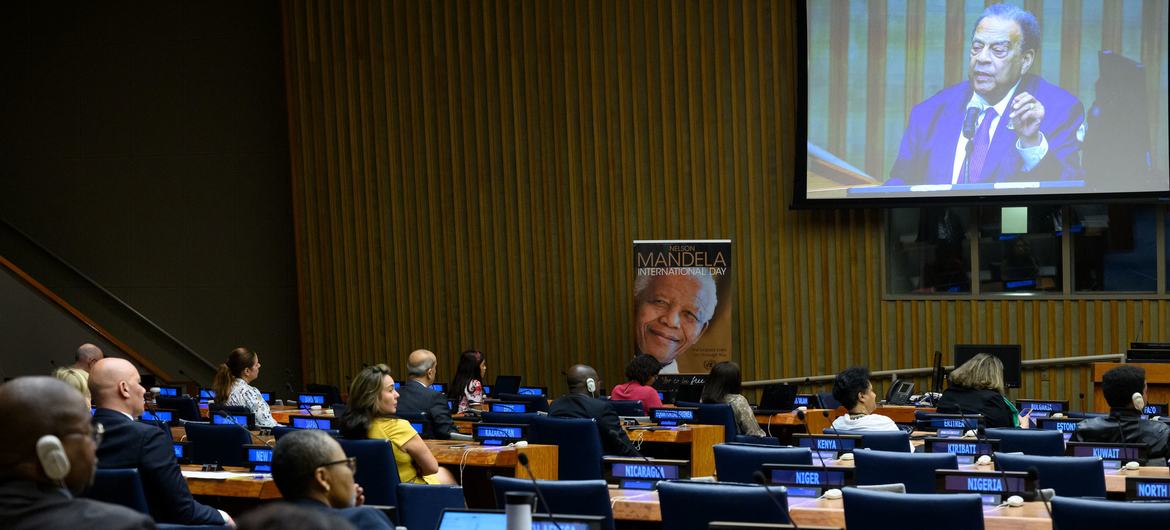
800	414
841	455
759	478
523	459
233	421
288	382
1033	472
970	122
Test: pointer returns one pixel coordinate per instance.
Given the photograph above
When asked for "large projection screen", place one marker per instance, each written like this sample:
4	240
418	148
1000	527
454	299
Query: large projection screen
965	101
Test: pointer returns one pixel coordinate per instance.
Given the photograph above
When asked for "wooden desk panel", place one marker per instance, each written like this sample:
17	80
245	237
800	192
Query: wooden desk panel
699	438
263	488
541	458
631	505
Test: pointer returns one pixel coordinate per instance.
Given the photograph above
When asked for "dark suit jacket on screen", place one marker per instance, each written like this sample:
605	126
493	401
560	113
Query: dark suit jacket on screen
613	438
414	397
147	448
26	505
927	152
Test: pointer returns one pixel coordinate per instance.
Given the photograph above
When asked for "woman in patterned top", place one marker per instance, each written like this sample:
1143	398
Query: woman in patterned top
723	386
370	414
233	385
467	386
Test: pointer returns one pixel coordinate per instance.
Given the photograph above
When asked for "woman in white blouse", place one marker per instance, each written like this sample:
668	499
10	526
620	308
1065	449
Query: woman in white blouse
233	385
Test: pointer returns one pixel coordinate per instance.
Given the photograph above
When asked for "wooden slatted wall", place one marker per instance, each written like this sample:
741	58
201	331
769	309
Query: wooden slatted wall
472	174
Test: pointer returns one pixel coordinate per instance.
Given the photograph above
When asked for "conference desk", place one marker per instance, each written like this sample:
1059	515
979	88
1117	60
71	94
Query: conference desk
281	413
691	442
642	506
232	482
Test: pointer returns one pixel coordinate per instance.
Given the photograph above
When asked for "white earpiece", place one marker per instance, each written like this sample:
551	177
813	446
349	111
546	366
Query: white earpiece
521	443
846	457
52	456
591	386
1139	402
1130	466
832	494
1015	501
983	460
1057	414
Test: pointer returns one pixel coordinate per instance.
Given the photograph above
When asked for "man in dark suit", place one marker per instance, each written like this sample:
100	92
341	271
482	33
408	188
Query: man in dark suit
44	415
416	395
119	397
311	470
582	402
1002	124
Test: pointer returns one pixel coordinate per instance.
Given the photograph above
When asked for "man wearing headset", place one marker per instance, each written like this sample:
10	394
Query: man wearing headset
1125	388
118	395
47	454
582	402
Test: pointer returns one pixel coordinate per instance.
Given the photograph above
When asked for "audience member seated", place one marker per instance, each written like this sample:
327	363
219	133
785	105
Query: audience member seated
86	355
233	385
416	394
76	378
723	386
467	386
37	491
641	372
370	414
977	387
855	392
582	402
118	395
1125	388
282	515
311	470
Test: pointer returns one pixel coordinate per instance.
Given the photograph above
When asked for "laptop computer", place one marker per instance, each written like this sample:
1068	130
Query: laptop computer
506	384
777	398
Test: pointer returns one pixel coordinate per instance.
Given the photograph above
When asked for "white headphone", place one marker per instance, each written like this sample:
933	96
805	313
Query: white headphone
52	456
1139	402
591	386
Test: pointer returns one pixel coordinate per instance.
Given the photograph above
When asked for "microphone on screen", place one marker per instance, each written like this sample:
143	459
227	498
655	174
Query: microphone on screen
970	121
523	459
759	478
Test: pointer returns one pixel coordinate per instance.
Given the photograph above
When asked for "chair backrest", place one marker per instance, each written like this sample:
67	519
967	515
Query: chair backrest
332	393
580	497
688	505
738	462
421	418
508	417
421	505
280	430
869	509
1070	476
1070	513
230	409
185	408
217	444
628	407
535	403
715	414
376	471
915	470
119	486
579	456
896	441
1028	441
827	400
756	440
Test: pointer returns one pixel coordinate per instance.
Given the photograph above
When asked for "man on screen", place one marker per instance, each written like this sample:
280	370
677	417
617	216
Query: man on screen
1003	124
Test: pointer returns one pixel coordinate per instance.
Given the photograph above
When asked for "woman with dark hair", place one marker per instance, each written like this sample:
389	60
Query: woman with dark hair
723	386
467	385
854	391
640	374
369	413
233	385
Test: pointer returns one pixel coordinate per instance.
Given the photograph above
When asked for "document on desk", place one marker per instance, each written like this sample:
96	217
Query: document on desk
217	475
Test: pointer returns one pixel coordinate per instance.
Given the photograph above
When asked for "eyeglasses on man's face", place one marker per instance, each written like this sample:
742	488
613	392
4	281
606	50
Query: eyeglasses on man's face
96	431
350	462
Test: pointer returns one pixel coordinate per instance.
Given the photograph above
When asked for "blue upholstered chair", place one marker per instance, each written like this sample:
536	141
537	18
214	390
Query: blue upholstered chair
186	408
119	486
880	510
827	400
1085	514
628	407
738	462
1070	476
579	456
420	505
715	414
896	441
281	430
580	497
419	418
535	403
509	417
756	440
1028	441
217	444
914	470
376	470
688	505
